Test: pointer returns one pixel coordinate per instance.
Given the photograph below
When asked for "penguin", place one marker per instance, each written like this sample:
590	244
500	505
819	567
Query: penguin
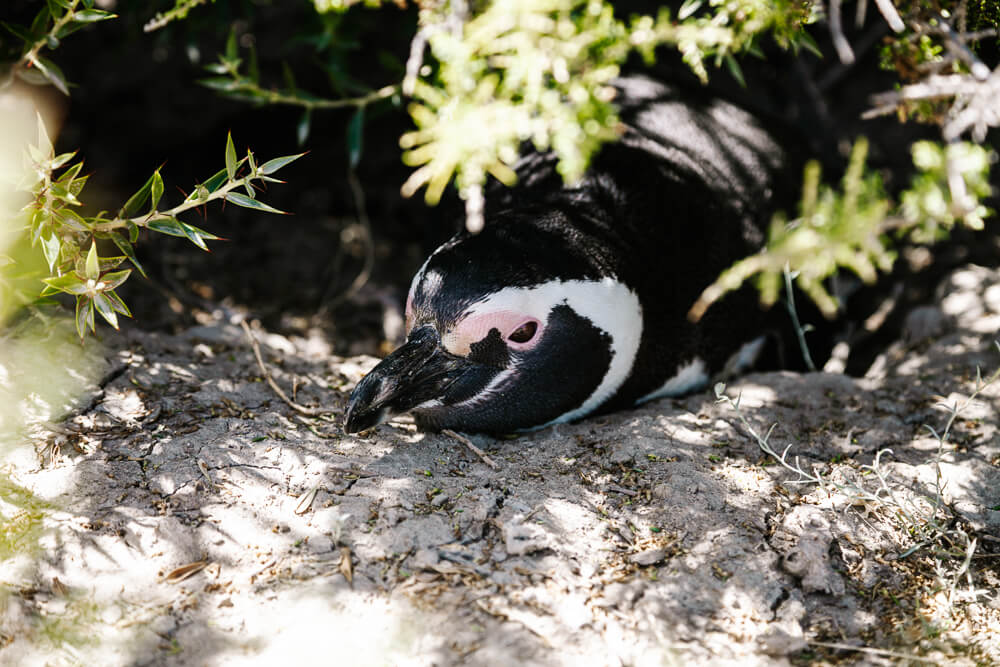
573	299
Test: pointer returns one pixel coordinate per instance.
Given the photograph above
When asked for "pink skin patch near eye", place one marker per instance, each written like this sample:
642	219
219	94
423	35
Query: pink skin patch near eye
475	328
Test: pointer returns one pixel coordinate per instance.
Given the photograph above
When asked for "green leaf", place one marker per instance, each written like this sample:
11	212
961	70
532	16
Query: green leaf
117	303
60	160
52	73
84	315
139	199
277	163
232	47
50	248
133	233
208	236
59	191
93	270
223	83
735	69
37	224
108	263
55	9
230	157
18	32
68	29
76	187
70	174
70	283
40	21
193	236
302	129
688	9
156	190
92	16
806	41
73	220
169	226
44	143
126	248
114	280
247	202
355	136
217	180
106	310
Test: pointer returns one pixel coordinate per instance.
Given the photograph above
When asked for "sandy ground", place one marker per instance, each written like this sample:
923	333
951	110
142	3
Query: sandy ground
185	515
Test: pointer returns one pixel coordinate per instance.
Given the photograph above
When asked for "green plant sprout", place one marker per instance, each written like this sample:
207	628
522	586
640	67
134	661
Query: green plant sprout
69	241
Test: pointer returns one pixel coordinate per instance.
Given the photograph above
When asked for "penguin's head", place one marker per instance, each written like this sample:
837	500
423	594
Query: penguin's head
510	329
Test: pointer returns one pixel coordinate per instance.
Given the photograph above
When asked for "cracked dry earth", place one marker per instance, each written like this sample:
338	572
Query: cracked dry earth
191	518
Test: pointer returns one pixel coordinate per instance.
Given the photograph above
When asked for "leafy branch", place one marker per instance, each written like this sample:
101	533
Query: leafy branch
233	82
54	223
55	21
850	228
177	13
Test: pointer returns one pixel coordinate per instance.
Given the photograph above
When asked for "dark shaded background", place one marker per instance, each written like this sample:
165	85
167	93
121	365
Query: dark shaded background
136	104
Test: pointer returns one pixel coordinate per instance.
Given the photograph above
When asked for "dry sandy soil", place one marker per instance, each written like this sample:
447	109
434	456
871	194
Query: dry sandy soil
185	515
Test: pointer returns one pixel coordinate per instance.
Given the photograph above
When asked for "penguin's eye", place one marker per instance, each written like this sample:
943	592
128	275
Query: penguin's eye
524	333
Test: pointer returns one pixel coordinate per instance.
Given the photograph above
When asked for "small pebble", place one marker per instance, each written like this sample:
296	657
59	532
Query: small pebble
648	557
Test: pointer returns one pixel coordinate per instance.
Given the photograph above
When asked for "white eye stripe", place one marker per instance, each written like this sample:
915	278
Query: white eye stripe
495	386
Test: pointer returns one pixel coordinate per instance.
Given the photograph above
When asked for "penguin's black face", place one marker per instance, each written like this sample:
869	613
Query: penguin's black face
494	348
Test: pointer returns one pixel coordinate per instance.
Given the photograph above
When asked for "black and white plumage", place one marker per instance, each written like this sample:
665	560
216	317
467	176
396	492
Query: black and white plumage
573	300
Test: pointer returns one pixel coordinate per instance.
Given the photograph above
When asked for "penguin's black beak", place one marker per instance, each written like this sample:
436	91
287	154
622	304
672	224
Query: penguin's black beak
419	371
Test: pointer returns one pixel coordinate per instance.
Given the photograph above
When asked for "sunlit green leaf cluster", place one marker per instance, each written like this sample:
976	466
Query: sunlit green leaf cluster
56	20
521	70
717	29
930	207
850	227
340	5
69	240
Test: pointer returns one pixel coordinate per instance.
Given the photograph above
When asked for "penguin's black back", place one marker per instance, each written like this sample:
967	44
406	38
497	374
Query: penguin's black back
688	189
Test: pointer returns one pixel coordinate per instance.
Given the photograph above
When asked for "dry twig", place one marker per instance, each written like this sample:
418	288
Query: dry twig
274	385
468	443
